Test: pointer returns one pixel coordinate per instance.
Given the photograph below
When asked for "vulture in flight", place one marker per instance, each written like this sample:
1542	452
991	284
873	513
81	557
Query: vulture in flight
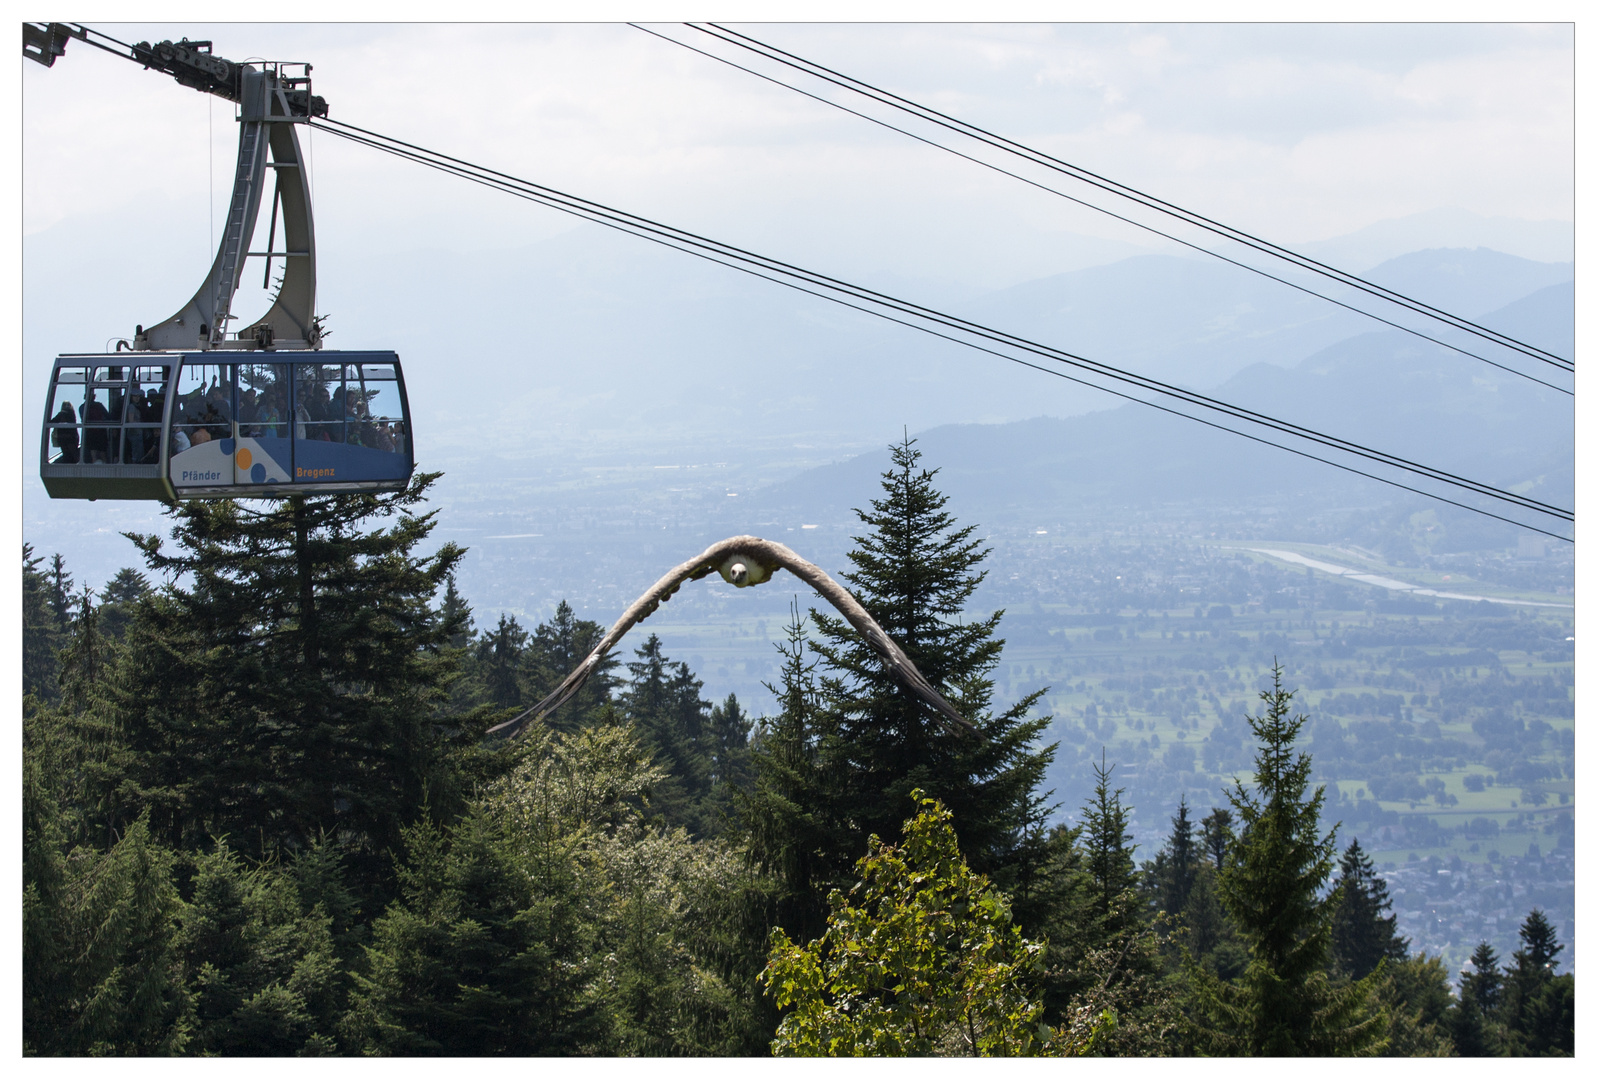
744	561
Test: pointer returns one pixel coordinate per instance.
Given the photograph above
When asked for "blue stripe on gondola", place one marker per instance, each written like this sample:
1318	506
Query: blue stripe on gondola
324	462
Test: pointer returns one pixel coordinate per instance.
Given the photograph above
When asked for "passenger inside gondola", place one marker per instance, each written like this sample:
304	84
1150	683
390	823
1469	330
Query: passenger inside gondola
270	414
133	436
248	412
96	436
65	438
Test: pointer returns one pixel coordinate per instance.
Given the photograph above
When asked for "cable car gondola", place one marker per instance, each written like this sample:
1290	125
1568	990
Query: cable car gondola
219	425
191	411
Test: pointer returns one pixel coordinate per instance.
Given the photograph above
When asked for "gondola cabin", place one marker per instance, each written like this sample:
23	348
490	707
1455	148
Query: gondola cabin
221	424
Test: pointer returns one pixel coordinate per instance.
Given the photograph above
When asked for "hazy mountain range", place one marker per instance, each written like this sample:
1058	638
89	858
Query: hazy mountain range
594	359
1383	389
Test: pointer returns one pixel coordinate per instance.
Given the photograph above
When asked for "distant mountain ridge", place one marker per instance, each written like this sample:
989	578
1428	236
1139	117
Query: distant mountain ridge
590	340
1383	389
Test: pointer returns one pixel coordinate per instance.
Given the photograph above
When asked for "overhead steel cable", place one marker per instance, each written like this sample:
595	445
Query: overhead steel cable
1126	191
832	297
1105	210
684	240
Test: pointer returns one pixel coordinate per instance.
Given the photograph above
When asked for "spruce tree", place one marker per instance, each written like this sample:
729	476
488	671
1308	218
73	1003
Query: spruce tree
1176	867
1364	931
1113	951
263	974
61	592
1546	1026
1418	1003
499	663
456	612
557	647
726	739
82	738
118	599
1284	1004
1537	955
41	630
1217	835
85	658
1110	869
286	682
783	820
485	952
662	699
1208	930
915	570
1472	1033
100	975
1538	1004
1483	984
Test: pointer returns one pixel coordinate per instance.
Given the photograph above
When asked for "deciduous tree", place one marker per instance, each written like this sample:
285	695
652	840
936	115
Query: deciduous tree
921	957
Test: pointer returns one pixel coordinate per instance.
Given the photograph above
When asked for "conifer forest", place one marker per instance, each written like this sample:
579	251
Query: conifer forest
264	816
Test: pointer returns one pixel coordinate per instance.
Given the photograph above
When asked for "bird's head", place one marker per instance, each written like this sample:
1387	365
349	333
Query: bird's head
742	569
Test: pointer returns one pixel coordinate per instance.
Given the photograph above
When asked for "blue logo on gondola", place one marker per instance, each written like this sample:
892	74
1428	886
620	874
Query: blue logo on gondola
227	446
258	473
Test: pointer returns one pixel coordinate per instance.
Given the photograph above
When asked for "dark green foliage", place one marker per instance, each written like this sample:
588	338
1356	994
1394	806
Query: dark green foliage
117	601
1547	1020
783	820
1284	1004
1538	1005
1537	955
511	670
1364	931
1207	930
389	882
731	767
78	744
1484	984
41	630
1103	952
1111	875
1217	835
1418	1004
294	689
477	957
85	660
455	614
264	977
1475	1022
100	974
1175	868
1472	1034
61	591
557	647
1056	905
662	699
915	570
499	659
728	743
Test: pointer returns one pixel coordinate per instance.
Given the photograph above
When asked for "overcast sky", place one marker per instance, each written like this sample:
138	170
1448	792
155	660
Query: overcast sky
1298	133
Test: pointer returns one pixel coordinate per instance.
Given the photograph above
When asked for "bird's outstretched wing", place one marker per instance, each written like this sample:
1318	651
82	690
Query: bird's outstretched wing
744	561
